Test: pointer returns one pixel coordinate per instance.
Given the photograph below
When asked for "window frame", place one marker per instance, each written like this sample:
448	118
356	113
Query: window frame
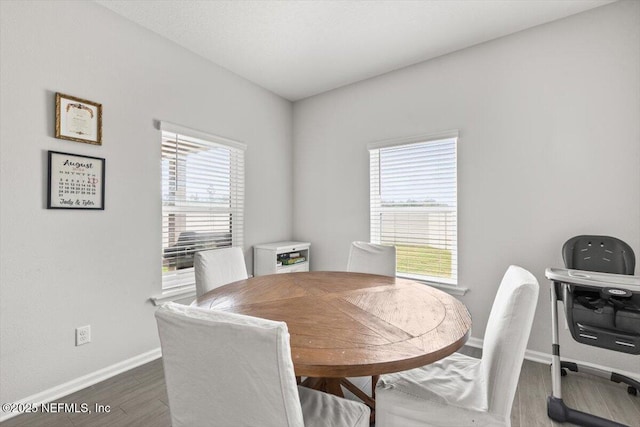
376	205
183	280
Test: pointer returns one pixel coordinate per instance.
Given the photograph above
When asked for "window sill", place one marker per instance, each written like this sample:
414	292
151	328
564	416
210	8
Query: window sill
174	294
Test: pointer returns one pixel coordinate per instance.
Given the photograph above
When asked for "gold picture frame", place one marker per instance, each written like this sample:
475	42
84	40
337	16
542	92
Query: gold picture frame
78	119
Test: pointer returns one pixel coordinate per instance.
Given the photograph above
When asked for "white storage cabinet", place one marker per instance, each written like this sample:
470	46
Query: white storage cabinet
267	258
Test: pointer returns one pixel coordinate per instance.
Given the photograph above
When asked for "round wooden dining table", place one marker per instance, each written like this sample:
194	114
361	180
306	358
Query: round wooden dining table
351	324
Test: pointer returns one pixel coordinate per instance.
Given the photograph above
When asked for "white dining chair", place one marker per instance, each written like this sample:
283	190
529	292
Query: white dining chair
226	369
461	390
372	258
365	257
217	267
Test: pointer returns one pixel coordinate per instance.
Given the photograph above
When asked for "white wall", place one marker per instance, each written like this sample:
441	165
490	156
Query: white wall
64	269
549	147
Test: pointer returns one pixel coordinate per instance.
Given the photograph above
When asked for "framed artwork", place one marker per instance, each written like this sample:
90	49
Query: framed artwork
75	181
78	119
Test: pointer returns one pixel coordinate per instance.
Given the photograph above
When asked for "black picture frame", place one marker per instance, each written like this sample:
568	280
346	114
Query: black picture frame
75	181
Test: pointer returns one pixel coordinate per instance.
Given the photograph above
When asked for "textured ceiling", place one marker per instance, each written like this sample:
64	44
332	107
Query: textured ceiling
301	48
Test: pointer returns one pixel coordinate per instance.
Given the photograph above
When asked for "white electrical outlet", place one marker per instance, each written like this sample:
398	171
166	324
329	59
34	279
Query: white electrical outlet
83	335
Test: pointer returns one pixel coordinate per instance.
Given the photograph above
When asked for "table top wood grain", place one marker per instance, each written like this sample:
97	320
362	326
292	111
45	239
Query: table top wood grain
351	324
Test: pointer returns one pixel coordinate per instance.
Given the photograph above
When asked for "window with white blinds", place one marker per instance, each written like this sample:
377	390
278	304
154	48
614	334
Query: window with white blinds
414	204
202	199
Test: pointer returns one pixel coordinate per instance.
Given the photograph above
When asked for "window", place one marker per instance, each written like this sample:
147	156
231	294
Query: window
414	204
202	199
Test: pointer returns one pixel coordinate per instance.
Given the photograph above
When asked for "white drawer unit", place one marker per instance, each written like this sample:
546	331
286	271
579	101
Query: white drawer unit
280	257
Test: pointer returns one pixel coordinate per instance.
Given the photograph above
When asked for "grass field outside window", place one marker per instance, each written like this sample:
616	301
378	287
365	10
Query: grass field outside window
423	260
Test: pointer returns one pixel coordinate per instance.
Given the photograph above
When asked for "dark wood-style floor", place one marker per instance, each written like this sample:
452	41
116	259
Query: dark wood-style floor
138	398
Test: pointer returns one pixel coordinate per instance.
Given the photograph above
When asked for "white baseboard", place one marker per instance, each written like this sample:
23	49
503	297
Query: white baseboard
540	357
85	381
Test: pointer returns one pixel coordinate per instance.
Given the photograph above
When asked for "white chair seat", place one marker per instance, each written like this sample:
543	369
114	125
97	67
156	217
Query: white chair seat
409	398
453	381
409	411
326	410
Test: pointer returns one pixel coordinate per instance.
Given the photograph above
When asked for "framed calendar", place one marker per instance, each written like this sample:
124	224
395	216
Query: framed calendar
75	181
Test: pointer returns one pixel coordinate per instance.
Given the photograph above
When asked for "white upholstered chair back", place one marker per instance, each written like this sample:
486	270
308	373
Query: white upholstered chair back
461	390
225	369
506	337
372	258
218	267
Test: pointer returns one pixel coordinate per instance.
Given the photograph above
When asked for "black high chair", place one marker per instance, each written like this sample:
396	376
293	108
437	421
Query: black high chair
602	306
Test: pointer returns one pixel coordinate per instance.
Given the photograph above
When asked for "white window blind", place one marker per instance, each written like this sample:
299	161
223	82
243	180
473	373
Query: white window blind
414	205
202	199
